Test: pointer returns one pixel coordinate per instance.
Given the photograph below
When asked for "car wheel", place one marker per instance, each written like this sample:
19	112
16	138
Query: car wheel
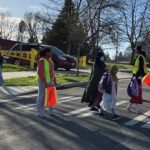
16	62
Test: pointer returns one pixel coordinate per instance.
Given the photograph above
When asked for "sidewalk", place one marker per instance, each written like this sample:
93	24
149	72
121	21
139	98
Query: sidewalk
9	75
10	91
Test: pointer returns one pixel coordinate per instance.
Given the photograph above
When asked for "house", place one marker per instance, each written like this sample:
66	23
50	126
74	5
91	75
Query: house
6	44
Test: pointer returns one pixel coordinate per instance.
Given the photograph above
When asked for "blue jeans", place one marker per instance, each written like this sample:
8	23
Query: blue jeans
40	99
40	108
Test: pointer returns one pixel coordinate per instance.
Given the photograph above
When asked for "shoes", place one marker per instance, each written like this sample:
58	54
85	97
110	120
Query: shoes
101	114
40	116
115	117
128	109
93	109
51	111
139	112
96	108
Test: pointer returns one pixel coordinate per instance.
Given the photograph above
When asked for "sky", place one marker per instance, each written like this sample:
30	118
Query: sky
17	8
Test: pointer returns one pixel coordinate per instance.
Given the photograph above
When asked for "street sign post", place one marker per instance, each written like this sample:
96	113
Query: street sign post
22	28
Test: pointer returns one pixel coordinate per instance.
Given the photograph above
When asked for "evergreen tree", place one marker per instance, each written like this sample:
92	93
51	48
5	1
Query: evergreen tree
62	33
58	35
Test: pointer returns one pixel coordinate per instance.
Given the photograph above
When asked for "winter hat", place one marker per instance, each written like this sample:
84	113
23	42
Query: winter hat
139	49
100	54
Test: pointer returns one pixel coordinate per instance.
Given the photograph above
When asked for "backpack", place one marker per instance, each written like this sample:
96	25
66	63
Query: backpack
133	87
104	82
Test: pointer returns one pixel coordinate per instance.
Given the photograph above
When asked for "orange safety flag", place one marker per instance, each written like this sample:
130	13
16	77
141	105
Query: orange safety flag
146	79
50	96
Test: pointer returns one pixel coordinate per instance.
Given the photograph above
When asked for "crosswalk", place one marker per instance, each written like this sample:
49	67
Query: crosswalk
84	112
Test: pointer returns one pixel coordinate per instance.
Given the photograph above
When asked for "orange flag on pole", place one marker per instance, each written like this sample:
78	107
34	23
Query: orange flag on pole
146	79
50	96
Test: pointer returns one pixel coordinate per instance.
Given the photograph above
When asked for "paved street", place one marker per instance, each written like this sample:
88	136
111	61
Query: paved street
73	127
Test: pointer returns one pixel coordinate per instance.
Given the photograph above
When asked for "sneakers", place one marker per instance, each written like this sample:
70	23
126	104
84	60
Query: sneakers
115	117
101	114
40	116
51	111
96	108
129	109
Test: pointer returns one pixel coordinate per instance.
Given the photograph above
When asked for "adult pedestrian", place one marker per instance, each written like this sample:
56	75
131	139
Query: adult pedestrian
91	94
1	67
139	70
46	78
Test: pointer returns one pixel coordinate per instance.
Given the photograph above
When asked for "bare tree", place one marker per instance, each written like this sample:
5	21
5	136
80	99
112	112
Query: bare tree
95	16
33	26
8	26
135	22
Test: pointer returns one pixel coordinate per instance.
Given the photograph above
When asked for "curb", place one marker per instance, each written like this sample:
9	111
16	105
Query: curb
125	70
65	86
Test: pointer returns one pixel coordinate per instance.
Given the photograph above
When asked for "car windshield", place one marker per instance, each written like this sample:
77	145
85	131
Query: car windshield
57	51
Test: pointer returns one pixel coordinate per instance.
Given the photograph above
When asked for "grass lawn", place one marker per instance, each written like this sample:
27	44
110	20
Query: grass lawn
121	66
14	68
61	79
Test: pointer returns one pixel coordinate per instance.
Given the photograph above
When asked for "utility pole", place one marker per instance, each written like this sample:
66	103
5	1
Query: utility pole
22	28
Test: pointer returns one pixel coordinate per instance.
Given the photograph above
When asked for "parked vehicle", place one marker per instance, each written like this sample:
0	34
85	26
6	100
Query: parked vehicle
60	59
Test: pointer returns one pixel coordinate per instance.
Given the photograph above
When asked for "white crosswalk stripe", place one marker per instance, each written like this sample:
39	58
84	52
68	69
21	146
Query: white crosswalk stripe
63	100
76	111
90	113
138	119
72	99
84	111
24	107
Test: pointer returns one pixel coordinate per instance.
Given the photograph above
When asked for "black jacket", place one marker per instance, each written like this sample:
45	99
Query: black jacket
1	61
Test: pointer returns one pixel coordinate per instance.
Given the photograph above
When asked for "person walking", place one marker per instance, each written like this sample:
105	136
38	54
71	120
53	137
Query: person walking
139	71
1	67
108	85
91	94
46	77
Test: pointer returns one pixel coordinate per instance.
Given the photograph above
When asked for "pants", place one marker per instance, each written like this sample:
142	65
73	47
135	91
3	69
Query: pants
40	99
40	108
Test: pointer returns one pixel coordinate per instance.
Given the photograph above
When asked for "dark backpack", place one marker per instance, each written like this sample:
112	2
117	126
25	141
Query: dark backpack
104	82
132	88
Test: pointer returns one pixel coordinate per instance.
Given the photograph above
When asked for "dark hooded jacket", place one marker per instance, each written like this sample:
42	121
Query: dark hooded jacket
98	70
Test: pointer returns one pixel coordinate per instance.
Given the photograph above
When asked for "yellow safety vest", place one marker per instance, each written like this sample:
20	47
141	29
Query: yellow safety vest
136	65
46	70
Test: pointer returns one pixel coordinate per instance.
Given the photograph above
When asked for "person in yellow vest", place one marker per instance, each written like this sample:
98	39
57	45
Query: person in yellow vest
139	71
46	77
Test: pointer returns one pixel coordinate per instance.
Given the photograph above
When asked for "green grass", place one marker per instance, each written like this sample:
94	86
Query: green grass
61	79
121	66
14	68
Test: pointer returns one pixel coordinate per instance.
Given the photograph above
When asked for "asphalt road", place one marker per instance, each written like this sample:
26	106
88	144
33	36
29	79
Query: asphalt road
73	127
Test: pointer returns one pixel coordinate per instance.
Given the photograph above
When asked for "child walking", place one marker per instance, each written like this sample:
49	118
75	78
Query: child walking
108	85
